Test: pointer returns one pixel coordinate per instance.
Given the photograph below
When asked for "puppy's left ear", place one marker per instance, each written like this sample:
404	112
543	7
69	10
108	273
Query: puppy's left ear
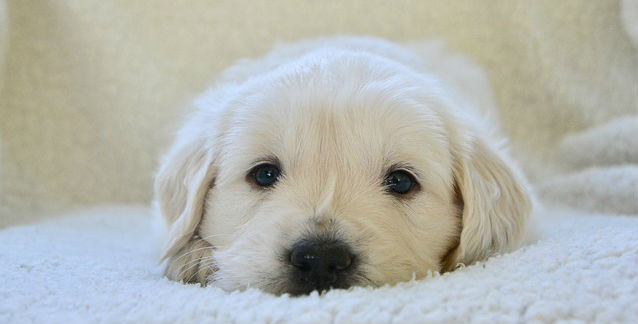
495	202
181	184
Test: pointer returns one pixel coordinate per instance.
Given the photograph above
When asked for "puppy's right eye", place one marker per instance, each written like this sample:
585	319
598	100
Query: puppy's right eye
265	175
399	182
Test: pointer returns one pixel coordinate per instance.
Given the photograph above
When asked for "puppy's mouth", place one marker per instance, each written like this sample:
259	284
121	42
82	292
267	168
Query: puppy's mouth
320	264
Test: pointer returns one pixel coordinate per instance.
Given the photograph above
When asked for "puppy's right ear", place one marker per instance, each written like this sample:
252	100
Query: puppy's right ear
181	184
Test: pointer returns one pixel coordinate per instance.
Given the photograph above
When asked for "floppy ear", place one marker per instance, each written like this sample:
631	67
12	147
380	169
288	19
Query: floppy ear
181	185
495	202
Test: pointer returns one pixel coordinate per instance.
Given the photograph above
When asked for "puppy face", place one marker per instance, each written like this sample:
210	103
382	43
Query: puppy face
337	170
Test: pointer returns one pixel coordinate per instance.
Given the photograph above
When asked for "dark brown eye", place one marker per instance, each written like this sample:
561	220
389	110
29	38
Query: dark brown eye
399	182
265	175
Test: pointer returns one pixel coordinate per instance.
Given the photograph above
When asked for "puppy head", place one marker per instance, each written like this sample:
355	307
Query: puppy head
333	171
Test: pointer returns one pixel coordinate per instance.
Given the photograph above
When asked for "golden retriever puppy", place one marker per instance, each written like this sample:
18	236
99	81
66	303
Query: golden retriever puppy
334	163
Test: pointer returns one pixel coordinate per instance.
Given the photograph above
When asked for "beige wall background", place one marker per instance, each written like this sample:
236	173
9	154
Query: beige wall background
93	90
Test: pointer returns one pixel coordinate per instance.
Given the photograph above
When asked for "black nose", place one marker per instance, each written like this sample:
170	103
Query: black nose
321	265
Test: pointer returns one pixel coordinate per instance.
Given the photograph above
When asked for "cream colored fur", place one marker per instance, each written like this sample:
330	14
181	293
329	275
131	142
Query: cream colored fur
338	114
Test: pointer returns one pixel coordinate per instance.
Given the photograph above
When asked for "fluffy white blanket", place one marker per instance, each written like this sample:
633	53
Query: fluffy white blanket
99	266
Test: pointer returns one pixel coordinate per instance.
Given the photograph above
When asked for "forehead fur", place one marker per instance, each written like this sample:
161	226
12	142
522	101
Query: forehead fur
339	113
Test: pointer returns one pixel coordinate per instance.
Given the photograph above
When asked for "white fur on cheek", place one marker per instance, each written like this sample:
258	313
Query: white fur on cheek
254	259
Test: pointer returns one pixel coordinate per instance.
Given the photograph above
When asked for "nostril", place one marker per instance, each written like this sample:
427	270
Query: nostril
343	263
338	259
302	258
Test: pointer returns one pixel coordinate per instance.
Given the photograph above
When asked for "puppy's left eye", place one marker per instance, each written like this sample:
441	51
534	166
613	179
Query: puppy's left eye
265	175
399	182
